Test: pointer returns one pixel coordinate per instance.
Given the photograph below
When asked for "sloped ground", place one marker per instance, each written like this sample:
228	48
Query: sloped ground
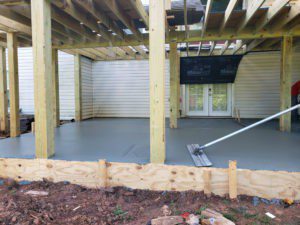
73	204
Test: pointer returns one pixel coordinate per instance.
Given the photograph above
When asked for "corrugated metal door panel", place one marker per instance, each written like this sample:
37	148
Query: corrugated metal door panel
121	88
87	88
256	91
26	82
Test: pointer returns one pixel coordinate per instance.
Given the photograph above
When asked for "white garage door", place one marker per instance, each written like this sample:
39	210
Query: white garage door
121	88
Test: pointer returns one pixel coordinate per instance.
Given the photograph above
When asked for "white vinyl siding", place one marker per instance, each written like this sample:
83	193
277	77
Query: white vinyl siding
87	88
256	88
121	88
66	85
66	82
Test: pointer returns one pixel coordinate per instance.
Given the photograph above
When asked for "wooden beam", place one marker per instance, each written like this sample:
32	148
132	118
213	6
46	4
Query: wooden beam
129	51
206	17
69	7
157	81
12	47
253	44
225	47
250	12
179	37
285	19
13	2
276	7
285	82
239	44
174	83
113	5
101	17
43	79
141	51
232	178
199	48
212	47
140	9
3	93
231	5
55	84
78	93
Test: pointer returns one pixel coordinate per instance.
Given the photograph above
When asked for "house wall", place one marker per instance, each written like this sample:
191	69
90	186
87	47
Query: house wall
66	82
87	88
256	88
121	88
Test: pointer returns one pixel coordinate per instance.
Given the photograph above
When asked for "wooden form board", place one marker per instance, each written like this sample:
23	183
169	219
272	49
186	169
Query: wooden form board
3	92
261	183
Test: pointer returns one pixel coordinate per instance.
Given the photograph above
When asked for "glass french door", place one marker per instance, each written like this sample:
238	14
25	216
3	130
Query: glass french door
209	100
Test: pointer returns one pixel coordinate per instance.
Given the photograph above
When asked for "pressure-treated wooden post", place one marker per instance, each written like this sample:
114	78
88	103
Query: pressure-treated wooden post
157	81
3	93
43	79
285	81
55	88
78	97
232	178
12	48
174	85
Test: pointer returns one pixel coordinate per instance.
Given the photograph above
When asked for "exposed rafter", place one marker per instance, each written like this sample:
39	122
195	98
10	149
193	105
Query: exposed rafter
125	19
238	45
285	19
101	17
212	47
225	47
276	7
252	8
228	12
69	7
141	51
253	44
206	17
140	9
199	48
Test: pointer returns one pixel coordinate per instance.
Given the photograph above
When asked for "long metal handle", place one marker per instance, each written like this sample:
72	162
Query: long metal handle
249	127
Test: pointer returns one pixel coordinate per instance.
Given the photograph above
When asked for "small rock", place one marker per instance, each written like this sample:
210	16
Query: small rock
192	220
166	210
167	220
37	193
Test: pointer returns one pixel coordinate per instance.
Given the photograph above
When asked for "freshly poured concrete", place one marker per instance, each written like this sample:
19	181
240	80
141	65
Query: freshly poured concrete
127	140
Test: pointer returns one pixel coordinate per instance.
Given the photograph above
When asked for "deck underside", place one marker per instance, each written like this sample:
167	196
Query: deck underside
127	140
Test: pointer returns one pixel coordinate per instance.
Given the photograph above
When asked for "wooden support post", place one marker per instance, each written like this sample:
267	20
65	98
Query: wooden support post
157	81
178	85
174	85
207	182
12	48
55	88
285	82
232	178
78	97
3	93
43	80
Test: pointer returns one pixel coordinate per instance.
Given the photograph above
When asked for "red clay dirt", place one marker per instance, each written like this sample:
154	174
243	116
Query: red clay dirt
73	204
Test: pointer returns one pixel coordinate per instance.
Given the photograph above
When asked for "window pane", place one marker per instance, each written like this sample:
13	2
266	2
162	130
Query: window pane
219	97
